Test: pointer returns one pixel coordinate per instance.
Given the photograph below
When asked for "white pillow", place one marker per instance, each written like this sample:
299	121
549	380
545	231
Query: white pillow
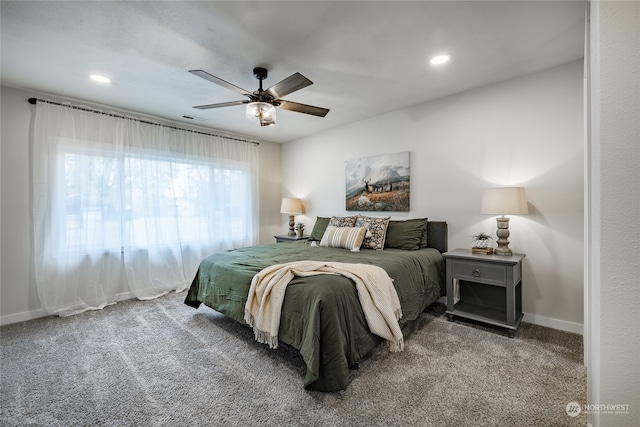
343	237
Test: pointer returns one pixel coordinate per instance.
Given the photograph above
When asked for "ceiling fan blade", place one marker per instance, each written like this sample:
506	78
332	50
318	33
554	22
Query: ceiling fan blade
222	104
220	82
302	108
291	84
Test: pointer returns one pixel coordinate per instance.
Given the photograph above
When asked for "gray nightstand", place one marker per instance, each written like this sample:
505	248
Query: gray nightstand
486	288
285	238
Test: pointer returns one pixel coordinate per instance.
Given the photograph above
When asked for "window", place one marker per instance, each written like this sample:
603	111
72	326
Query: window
147	200
118	201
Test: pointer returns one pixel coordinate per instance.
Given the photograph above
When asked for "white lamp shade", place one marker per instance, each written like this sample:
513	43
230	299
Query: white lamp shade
504	201
291	206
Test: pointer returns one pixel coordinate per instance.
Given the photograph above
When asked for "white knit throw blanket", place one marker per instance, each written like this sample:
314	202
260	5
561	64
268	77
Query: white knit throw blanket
376	292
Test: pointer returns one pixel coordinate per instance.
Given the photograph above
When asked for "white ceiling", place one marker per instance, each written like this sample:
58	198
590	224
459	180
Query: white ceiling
365	58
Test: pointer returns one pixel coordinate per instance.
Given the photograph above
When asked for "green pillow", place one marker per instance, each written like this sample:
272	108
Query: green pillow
410	234
318	229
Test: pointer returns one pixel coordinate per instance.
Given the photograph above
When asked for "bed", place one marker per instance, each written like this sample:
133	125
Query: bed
321	315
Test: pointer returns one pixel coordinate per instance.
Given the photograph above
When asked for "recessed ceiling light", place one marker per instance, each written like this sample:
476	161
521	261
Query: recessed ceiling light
100	79
440	59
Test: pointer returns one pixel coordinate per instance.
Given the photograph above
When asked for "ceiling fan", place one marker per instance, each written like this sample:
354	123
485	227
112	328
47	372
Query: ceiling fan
262	103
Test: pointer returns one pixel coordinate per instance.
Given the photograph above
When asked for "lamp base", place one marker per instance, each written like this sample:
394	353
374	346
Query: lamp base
292	222
503	234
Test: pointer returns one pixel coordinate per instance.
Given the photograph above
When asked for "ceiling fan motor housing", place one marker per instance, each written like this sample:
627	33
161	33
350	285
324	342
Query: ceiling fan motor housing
260	73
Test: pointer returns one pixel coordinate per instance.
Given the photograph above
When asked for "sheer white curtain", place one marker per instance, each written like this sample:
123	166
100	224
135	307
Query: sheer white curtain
124	206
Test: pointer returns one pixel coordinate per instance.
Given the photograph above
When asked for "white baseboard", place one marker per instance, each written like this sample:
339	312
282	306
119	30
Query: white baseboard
40	312
549	322
22	317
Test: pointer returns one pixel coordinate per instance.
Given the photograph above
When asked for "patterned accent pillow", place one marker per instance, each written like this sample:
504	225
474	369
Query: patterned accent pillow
377	231
342	221
343	237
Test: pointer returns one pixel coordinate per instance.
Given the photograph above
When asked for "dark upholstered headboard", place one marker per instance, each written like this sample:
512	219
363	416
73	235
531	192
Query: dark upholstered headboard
437	236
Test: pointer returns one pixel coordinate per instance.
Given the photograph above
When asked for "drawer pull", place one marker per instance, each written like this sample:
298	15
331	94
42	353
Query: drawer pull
476	272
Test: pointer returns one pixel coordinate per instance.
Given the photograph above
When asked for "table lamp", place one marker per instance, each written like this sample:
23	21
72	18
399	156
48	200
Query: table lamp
504	201
292	207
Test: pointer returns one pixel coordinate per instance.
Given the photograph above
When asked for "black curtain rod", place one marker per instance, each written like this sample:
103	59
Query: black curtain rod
75	107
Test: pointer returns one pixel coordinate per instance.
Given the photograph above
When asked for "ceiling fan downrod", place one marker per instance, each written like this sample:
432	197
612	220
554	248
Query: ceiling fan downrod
260	74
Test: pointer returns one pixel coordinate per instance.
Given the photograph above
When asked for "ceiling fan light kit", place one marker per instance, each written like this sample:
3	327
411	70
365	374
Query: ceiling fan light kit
264	112
262	103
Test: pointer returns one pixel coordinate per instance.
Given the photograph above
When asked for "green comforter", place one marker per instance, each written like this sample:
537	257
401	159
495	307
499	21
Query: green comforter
321	315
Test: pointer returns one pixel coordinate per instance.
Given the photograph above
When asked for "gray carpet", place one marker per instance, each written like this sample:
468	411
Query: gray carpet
161	363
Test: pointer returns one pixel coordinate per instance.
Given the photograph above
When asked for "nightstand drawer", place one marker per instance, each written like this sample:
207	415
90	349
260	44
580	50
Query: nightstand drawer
480	272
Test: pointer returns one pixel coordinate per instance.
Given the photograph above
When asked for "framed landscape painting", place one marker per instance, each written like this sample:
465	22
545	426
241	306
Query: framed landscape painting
378	183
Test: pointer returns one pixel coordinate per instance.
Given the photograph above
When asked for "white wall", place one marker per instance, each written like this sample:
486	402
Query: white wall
527	132
270	192
17	289
18	297
613	229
